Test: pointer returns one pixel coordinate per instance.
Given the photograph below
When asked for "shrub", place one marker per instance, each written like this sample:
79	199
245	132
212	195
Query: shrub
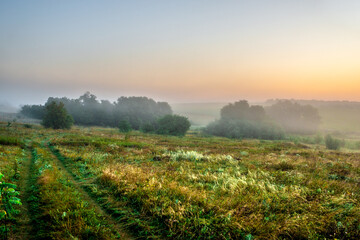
244	129
332	143
318	139
148	127
124	126
173	125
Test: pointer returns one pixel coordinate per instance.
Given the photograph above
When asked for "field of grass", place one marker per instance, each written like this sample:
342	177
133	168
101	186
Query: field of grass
96	183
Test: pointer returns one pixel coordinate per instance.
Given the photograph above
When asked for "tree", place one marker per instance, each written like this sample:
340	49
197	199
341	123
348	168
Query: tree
241	110
139	111
33	111
56	116
173	125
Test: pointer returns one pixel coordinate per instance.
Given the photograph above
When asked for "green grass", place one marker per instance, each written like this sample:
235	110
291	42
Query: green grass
59	212
221	188
12	141
196	187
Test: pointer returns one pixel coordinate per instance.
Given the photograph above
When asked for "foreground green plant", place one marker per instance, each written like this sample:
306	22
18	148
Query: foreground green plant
7	200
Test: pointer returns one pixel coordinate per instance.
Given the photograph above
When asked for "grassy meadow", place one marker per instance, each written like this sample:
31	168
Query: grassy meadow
97	183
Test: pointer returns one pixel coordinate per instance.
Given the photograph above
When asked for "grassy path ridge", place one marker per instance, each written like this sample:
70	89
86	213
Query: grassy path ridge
24	224
81	187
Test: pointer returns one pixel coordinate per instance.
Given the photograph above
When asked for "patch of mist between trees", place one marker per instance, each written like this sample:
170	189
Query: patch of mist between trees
8	108
17	118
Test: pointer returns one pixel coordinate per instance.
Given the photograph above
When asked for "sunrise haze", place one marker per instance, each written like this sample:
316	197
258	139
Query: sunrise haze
180	51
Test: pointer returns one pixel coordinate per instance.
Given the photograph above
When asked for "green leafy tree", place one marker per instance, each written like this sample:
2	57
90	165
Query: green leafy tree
56	116
173	125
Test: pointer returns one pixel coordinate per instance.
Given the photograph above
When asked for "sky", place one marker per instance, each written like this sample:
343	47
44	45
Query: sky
180	51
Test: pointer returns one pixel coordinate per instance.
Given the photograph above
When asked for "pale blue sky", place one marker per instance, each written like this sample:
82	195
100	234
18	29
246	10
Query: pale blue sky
180	51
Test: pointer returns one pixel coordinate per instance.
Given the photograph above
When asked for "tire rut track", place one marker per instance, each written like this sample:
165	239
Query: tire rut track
25	226
86	197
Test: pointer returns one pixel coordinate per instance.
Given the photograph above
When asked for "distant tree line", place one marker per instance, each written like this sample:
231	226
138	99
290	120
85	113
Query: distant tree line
240	120
295	118
87	110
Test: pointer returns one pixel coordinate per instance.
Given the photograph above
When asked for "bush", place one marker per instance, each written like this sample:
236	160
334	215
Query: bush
173	125
149	127
332	143
27	125
318	139
124	126
56	117
244	129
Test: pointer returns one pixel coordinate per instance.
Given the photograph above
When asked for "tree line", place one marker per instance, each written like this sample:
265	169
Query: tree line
88	111
138	113
240	120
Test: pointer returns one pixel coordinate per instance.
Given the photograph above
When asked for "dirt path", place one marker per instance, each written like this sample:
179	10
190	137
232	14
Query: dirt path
24	225
86	197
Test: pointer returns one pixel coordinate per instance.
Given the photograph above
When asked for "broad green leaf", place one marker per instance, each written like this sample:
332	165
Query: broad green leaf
18	202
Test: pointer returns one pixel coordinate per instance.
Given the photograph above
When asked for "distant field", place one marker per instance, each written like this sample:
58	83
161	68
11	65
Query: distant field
200	114
96	183
343	119
14	117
